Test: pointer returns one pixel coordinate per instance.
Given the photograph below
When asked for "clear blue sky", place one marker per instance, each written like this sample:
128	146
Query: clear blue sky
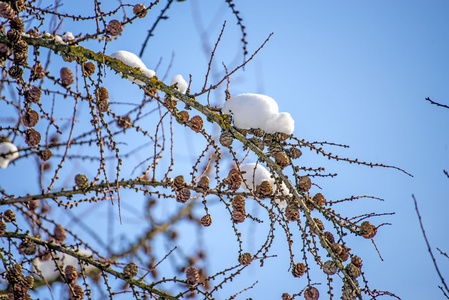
354	73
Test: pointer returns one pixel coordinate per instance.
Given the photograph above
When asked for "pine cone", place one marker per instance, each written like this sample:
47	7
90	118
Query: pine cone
319	200
102	94
226	139
184	116
27	247
203	184
130	270
329	237
179	182
192	275
367	230
234	179
206	220
299	269
70	273
81	181
311	293
245	259
114	28
124	122
30	118
88	68
45	154
9	216
264	190
59	234
282	159
66	77
238	203
291	213
357	261
238	216
294	153
183	195
17	24
6	11
37	72
304	184
196	123
32	137
140	10
257	142
329	267
257	132
15	72
33	94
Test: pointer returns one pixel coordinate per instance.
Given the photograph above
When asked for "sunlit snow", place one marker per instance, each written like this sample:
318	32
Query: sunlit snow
254	176
7	147
258	111
133	61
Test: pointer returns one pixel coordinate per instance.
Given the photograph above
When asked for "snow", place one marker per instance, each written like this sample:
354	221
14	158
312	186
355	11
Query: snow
68	36
258	111
48	267
58	39
133	61
7	147
256	173
181	84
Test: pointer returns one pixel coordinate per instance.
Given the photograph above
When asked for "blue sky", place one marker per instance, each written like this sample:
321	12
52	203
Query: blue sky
354	73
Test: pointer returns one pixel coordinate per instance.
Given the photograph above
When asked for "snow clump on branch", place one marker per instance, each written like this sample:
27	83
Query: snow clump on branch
258	111
256	173
11	153
133	61
181	84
